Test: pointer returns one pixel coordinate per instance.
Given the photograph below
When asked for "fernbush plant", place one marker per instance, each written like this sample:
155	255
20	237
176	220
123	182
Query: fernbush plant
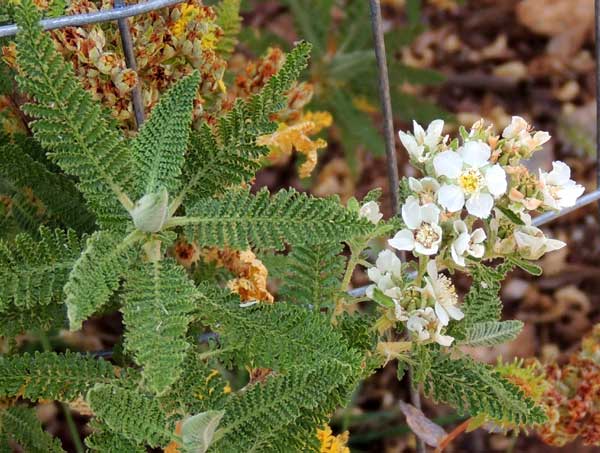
131	199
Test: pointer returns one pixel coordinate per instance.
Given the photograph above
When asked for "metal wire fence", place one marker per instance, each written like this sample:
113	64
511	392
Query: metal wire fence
121	12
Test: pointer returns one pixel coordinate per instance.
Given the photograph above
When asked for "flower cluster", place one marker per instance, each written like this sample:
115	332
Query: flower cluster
572	397
473	203
168	44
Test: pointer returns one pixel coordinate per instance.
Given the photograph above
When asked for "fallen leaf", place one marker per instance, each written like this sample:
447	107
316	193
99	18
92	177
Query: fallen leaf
428	431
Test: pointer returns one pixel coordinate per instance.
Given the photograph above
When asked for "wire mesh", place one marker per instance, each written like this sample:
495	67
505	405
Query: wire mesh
107	15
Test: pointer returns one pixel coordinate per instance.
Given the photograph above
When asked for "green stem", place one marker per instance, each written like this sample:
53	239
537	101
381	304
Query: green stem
73	431
352	263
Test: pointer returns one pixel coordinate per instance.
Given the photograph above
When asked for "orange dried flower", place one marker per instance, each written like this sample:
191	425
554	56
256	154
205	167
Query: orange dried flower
251	283
574	398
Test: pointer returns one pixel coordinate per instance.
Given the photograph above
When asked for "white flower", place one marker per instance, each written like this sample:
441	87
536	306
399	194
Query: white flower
370	211
516	127
423	234
422	143
472	177
532	243
387	269
442	291
424	323
519	131
426	188
559	190
467	243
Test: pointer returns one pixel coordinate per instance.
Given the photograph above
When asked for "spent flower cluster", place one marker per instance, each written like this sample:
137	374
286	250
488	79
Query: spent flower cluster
473	203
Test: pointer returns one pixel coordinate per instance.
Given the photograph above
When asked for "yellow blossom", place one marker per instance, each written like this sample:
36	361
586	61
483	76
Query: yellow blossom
331	443
209	41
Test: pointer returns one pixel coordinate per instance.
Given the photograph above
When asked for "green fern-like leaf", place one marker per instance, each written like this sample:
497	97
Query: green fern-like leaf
70	123
314	274
21	425
51	376
34	272
478	389
258	419
200	387
157	309
303	336
240	220
230	21
132	414
58	194
227	155
96	274
492	332
482	303
17	320
103	440
162	141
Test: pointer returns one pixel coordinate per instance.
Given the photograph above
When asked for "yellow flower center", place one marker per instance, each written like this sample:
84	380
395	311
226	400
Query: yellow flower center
426	235
470	180
447	290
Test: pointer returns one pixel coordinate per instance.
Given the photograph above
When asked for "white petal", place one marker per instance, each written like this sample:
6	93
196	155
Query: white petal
411	213
421	249
415	185
458	259
495	180
478	236
412	147
430	213
475	154
517	125
448	163
419	132
430	184
441	314
477	250
432	269
541	137
402	240
455	312
461	243
480	205
387	261
434	131
560	174
451	197
443	340
569	194
460	226
554	244
370	211
374	274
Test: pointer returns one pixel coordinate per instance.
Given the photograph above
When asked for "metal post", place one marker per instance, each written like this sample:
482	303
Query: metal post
127	42
597	50
386	103
390	149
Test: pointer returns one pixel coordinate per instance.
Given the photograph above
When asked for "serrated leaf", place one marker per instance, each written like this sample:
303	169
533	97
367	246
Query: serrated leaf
492	332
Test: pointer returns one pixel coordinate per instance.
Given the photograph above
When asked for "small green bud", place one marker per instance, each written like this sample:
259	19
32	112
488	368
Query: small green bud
150	212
